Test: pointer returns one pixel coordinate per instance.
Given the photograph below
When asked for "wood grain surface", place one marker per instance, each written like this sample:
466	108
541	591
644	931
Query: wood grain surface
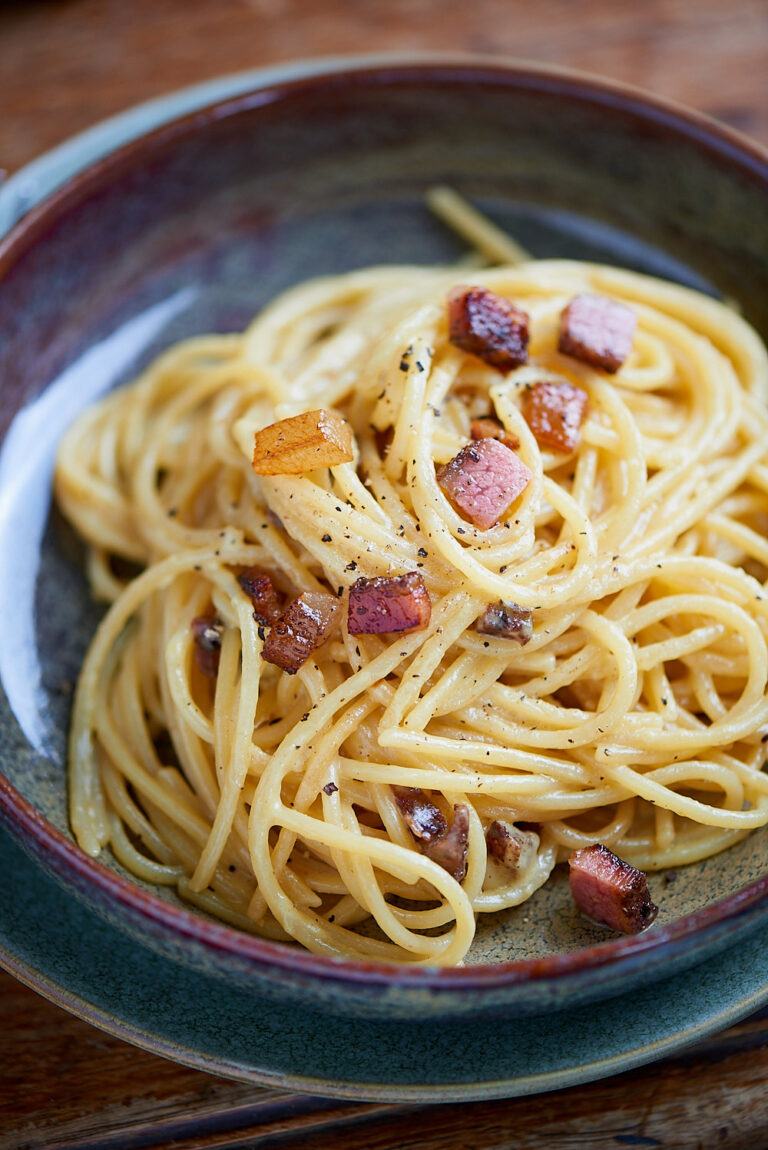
65	1084
64	64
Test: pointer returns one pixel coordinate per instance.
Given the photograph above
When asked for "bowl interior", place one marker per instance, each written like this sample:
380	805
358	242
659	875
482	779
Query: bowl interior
196	227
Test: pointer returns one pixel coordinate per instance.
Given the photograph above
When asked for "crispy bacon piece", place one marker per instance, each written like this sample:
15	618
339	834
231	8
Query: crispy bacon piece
267	600
303	627
450	851
424	820
488	427
302	443
488	326
510	845
555	412
610	891
483	480
388	604
506	620
206	632
598	331
447	846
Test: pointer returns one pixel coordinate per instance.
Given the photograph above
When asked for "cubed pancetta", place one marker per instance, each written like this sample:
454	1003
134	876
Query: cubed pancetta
483	480
388	604
555	412
609	890
445	845
509	845
506	620
267	600
488	326
303	627
303	443
598	331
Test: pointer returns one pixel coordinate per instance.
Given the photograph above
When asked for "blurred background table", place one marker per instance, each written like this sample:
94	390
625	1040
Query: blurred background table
64	64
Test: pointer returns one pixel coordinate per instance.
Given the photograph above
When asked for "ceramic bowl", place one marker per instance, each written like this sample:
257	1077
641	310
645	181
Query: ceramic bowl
191	225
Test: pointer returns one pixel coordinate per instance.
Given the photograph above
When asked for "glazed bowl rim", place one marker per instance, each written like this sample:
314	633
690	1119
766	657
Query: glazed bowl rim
37	194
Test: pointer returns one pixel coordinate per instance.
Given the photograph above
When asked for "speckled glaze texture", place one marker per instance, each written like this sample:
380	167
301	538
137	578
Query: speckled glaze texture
192	227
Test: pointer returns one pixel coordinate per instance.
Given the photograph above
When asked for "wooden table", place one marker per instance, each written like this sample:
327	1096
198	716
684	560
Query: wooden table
65	64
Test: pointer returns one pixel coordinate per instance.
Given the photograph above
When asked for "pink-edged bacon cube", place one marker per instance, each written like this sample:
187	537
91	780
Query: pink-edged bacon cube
488	326
483	480
388	604
555	412
610	891
302	628
597	330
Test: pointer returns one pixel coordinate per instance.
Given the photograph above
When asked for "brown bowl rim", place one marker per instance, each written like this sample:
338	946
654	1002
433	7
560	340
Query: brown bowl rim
62	855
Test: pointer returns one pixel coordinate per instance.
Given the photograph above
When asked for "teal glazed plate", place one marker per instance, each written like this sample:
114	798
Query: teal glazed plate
62	949
185	216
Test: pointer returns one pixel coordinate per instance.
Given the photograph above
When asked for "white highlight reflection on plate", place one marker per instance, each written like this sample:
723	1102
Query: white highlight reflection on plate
26	470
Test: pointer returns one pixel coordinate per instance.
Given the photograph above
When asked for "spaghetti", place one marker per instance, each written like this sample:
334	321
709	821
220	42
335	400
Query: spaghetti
635	715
